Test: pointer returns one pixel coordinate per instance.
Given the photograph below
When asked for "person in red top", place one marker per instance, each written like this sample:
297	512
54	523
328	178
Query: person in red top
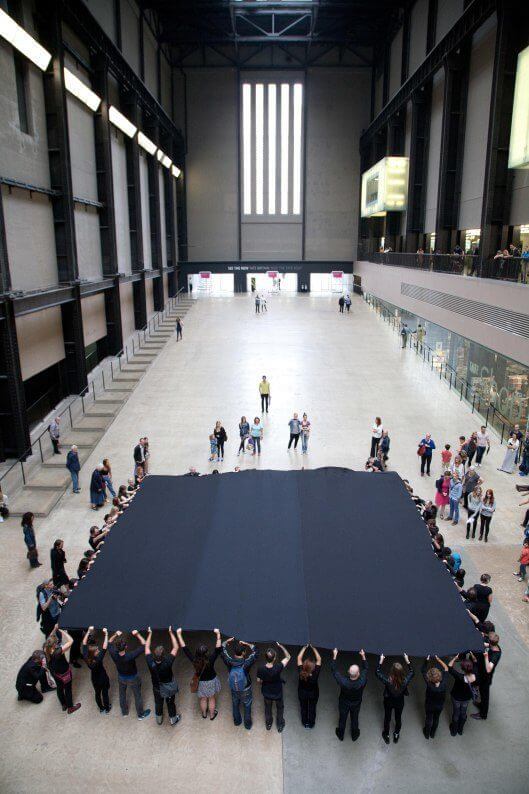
524	562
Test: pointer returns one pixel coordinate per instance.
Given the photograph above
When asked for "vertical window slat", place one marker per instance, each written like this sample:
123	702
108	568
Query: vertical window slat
247	147
272	149
259	148
285	131
296	133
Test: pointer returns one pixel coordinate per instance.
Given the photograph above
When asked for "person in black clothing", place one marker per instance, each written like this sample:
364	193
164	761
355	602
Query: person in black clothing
351	691
479	608
125	662
31	673
396	685
164	686
205	681
139	455
221	437
60	669
308	689
94	656
461	693
487	663
341	303
484	593
58	558
435	695
269	676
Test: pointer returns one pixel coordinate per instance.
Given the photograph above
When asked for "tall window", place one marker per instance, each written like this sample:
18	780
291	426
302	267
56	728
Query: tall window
272	161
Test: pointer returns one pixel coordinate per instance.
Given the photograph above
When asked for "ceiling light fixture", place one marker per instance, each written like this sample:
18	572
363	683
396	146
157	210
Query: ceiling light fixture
121	122
23	42
146	143
80	90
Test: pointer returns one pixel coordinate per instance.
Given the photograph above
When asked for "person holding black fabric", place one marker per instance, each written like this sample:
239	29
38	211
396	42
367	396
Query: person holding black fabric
94	656
461	694
351	691
125	662
308	689
205	682
31	673
58	558
396	685
478	608
164	686
487	663
269	676
238	661
55	652
435	679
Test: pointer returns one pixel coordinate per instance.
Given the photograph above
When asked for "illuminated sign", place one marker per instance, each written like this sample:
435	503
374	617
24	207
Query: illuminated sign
385	187
519	146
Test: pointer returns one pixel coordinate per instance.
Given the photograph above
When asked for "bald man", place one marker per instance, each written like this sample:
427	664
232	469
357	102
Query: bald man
351	691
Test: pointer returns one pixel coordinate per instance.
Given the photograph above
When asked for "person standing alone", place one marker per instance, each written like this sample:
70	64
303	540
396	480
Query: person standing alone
376	435
55	435
74	467
425	450
264	391
179	327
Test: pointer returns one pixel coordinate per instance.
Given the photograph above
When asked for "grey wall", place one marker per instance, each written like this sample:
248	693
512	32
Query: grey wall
477	125
395	64
149	55
162	216
385	282
434	154
145	212
338	109
418	25
130	36
448	11
103	11
121	202
212	167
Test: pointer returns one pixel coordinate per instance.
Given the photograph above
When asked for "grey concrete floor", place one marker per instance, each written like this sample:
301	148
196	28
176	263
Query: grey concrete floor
342	370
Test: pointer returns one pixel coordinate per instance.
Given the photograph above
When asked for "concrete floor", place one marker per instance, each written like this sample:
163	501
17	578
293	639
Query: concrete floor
342	370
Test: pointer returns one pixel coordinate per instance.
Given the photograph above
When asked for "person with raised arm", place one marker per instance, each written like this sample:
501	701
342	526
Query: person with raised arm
269	676
461	693
308	689
351	691
55	651
94	656
125	662
435	695
164	685
205	681
395	687
239	656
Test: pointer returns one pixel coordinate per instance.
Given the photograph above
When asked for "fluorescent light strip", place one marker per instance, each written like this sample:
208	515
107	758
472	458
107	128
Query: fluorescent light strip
146	143
296	165
272	153
159	155
259	148
23	42
247	147
80	90
166	161
285	123
175	171
121	122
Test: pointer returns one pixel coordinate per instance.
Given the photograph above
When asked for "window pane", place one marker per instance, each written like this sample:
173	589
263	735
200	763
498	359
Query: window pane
272	133
296	165
259	148
247	147
285	123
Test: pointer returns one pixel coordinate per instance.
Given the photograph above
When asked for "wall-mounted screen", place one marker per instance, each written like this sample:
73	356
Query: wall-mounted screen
519	146
385	187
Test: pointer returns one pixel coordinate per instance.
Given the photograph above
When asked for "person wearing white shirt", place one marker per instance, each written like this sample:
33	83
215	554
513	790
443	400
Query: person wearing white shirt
458	466
509	460
482	444
376	435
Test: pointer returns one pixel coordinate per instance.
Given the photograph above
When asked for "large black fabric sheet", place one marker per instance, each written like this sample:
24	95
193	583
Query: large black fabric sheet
333	557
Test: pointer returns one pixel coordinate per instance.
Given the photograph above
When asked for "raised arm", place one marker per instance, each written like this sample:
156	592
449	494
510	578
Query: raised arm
442	664
136	633
286	660
87	634
180	638
148	642
113	638
300	655
218	644
174	642
105	639
69	641
316	656
452	661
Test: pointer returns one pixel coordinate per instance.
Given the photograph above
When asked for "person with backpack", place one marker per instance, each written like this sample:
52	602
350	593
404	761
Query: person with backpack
238	661
164	685
269	676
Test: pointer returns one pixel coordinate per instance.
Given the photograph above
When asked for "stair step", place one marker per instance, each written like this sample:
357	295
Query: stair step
103	409
119	387
92	423
49	478
136	366
38	501
84	439
115	397
150	354
129	377
58	462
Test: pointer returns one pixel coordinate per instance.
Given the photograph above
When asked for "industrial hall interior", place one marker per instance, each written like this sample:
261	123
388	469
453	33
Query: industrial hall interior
264	395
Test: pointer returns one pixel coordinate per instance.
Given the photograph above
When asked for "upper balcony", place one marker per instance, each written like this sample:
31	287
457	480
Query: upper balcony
502	267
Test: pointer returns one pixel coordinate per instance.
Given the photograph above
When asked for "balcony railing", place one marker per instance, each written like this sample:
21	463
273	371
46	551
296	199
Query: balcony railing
512	268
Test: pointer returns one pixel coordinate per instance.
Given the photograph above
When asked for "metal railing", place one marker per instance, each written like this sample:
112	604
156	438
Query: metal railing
490	414
512	268
41	448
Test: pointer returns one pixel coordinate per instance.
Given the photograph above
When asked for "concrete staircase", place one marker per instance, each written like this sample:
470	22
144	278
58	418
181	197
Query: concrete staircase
46	482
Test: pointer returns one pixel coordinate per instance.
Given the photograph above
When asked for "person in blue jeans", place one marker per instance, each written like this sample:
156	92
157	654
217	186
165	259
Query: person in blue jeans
454	495
74	467
238	660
